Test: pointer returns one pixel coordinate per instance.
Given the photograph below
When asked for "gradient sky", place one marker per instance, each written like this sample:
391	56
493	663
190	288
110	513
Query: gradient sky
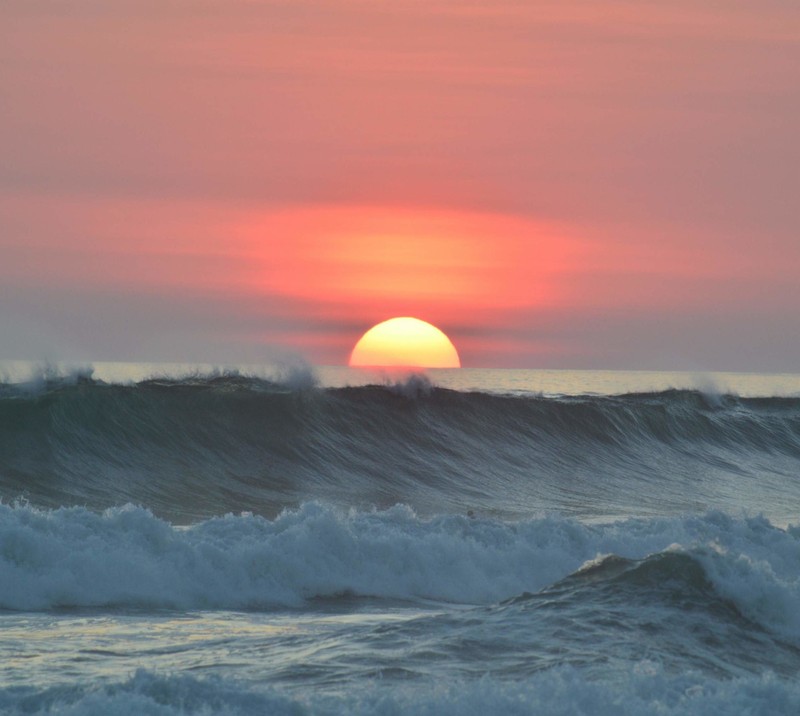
554	184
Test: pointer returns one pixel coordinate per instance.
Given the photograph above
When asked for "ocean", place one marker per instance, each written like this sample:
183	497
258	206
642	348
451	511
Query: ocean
199	540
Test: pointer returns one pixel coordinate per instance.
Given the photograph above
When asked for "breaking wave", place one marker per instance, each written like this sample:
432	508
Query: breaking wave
192	448
126	557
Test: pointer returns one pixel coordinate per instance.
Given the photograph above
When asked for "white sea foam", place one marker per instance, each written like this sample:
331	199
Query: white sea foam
645	690
34	378
127	557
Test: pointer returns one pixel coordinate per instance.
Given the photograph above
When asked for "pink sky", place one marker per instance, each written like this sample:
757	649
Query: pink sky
576	184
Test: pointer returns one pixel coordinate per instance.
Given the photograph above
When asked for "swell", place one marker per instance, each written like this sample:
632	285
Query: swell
680	603
193	448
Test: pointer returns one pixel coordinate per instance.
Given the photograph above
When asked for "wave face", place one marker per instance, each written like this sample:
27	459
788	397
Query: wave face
192	448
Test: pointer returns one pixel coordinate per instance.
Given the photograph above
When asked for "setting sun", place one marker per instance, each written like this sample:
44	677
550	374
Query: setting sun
405	342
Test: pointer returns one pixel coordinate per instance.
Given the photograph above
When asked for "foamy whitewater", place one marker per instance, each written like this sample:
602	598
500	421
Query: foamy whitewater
473	542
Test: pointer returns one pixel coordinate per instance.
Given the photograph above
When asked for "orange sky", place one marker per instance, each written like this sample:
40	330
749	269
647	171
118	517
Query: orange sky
575	184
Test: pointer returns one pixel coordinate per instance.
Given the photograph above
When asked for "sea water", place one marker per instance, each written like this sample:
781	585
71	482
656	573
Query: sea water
191	540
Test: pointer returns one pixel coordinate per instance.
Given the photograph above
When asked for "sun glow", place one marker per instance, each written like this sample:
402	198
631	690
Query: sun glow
405	343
